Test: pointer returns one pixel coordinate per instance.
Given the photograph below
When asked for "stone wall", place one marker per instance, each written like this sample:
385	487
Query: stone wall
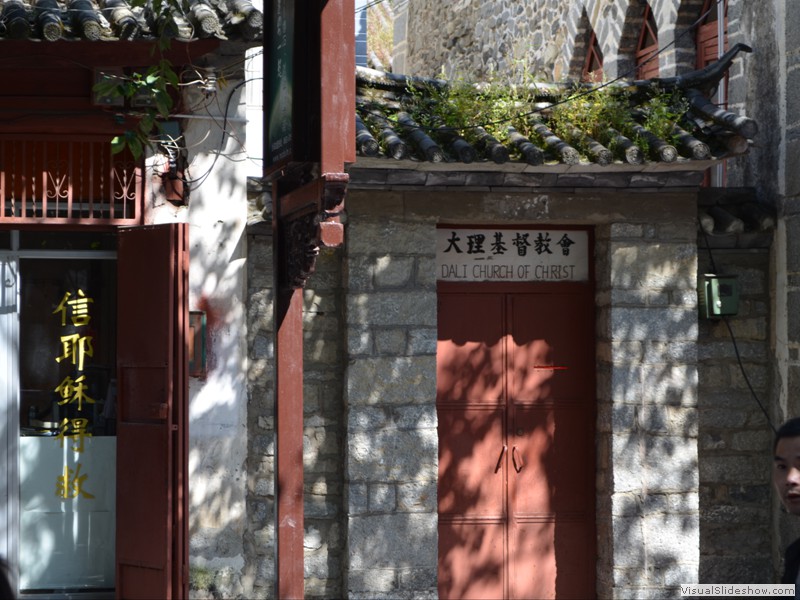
392	445
735	438
544	38
647	485
648	528
323	447
547	39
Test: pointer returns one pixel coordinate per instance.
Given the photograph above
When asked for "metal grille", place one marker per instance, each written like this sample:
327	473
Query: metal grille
58	181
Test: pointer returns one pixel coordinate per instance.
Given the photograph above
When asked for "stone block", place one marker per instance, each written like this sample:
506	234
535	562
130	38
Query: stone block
401	308
382	497
371	581
415	417
357	499
656	352
417	496
676	324
672	540
747	568
388	237
732	469
422	341
626	384
382	542
359	342
674	385
393	455
391	342
393	271
626	230
425	272
368	418
373	381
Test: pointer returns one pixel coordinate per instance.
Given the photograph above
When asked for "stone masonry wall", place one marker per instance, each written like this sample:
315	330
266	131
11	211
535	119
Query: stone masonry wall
735	439
647	486
323	427
544	38
391	462
648	527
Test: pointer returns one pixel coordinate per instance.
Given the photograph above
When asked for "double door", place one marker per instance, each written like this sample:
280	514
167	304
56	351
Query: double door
515	403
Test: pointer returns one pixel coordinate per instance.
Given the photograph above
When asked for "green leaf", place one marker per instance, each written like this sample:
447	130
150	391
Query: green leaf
163	104
117	144
135	145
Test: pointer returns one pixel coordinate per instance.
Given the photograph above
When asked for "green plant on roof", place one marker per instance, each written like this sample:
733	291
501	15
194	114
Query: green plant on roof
663	111
464	106
158	83
606	112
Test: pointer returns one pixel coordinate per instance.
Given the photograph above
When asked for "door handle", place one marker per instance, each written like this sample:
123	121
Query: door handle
500	458
517	459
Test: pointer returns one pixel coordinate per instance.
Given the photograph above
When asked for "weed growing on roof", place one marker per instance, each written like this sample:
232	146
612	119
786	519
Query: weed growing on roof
615	116
467	107
663	111
608	112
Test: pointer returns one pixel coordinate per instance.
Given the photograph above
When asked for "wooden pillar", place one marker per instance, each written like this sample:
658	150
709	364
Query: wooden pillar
308	204
289	442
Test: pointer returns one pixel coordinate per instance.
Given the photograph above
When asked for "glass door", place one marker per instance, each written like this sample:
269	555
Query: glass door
61	332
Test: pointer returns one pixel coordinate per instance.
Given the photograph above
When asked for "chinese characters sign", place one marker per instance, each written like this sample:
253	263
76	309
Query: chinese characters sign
76	348
512	255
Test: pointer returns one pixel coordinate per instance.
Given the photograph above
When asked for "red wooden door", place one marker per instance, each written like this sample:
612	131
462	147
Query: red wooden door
151	413
515	399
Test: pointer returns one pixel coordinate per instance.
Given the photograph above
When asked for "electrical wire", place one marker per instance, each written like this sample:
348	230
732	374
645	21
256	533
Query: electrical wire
200	180
735	344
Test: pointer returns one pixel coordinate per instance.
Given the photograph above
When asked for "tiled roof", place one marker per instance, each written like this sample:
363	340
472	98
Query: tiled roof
397	122
53	20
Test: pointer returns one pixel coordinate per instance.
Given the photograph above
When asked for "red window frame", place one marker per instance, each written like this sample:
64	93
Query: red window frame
647	46
593	65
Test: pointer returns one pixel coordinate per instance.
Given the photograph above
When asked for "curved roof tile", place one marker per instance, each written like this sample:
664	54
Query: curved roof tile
109	20
391	110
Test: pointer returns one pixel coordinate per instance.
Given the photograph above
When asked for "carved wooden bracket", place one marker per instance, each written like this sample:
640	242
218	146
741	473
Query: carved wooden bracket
304	230
301	248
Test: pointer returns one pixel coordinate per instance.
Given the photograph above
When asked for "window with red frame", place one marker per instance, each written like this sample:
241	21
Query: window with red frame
647	48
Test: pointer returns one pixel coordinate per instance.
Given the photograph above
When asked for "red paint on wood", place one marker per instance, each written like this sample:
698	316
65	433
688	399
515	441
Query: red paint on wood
289	443
152	536
515	401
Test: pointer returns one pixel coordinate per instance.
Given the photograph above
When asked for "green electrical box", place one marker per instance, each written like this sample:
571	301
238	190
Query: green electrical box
718	296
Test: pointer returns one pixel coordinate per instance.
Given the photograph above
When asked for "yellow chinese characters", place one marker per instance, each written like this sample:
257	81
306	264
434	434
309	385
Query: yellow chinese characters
76	347
70	484
73	391
75	429
79	308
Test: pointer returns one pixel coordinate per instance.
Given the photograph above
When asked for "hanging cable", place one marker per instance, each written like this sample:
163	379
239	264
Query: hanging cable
735	344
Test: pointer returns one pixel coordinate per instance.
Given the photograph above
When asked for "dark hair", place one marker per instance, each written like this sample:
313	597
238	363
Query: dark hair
789	429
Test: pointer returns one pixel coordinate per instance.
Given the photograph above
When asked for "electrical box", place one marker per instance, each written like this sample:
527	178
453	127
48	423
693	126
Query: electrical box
718	296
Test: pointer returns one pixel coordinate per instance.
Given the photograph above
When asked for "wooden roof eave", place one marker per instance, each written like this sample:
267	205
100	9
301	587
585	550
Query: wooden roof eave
108	53
680	165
